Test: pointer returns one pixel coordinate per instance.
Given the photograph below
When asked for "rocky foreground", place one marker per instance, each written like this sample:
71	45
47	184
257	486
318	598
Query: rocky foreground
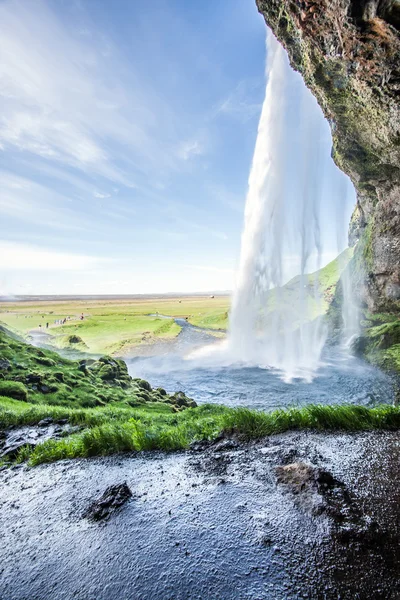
300	515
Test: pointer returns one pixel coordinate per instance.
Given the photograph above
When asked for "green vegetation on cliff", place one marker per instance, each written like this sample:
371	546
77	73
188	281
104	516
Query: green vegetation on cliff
379	342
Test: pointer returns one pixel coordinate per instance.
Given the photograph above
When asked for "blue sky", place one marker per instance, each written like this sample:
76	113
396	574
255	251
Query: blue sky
127	130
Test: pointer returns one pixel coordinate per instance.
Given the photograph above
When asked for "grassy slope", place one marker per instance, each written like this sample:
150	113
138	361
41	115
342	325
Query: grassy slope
126	415
318	291
44	377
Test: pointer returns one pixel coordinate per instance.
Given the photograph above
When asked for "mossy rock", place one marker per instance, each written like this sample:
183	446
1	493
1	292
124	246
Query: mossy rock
59	376
181	400
144	395
107	373
34	378
74	339
161	391
122	366
45	361
5	365
107	360
14	389
123	383
143	384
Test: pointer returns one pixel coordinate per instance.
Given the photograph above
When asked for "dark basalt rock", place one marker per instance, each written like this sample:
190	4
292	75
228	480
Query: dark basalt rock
11	452
111	500
300	476
5	364
34	378
74	339
320	494
348	53
45	422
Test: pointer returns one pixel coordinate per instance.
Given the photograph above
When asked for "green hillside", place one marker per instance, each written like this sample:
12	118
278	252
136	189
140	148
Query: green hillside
316	294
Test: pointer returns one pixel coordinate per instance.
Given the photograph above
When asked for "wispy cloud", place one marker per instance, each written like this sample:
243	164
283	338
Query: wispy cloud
62	99
190	148
26	200
27	257
238	105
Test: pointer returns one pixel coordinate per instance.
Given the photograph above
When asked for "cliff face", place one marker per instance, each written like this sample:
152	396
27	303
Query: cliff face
348	53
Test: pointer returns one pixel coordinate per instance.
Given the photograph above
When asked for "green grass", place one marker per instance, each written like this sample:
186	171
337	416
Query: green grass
113	430
252	424
119	414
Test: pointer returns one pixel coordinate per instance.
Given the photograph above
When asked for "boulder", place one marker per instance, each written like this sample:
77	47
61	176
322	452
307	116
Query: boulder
111	500
143	384
107	373
181	400
59	376
5	364
300	476
34	378
74	339
46	362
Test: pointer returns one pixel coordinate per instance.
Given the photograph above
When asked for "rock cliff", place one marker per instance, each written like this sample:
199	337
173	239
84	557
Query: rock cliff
348	52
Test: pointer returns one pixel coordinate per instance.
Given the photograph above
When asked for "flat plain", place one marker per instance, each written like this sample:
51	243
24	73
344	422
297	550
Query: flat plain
110	325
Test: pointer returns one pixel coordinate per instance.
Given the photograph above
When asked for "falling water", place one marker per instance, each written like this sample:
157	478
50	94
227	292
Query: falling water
281	221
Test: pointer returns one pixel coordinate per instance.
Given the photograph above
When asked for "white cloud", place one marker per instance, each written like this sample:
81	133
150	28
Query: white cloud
74	99
16	256
101	195
190	148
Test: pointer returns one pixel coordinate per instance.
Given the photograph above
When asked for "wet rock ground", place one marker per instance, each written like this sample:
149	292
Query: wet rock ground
13	439
301	515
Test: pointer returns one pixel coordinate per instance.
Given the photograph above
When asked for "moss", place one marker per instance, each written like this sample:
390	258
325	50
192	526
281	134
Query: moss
13	389
379	342
45	361
107	373
63	382
142	384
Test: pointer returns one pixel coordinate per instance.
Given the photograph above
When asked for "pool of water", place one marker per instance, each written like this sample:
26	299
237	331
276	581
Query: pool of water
341	378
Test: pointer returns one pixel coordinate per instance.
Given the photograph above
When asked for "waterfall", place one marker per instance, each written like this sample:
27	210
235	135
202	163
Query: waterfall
281	221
